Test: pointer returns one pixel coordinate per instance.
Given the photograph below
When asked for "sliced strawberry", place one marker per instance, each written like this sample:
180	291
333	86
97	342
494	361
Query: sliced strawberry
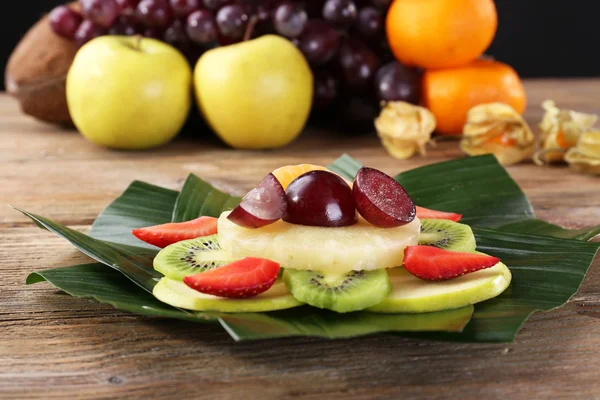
423	212
247	277
435	264
166	234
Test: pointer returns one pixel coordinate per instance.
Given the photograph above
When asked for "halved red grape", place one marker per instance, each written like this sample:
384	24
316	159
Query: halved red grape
320	198
64	21
263	205
381	200
101	12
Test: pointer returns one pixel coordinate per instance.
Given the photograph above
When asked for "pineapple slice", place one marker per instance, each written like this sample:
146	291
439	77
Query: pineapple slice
331	250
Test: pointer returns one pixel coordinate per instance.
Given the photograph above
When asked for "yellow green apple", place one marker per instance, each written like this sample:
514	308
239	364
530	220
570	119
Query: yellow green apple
178	294
255	94
129	92
413	295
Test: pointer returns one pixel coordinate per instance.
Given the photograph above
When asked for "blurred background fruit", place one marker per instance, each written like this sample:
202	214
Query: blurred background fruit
440	33
451	93
344	42
256	94
129	92
37	68
361	53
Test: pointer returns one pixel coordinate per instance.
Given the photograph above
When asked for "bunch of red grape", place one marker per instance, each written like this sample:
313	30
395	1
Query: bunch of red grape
344	41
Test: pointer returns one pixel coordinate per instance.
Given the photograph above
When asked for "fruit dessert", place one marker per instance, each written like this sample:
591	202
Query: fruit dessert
307	236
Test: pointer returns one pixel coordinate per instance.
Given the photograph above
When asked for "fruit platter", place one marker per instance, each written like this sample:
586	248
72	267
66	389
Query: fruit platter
449	251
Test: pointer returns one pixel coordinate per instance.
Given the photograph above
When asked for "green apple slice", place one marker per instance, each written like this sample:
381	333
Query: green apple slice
413	295
178	294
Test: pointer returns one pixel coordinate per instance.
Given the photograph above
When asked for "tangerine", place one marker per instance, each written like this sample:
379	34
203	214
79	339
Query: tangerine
440	33
451	93
286	174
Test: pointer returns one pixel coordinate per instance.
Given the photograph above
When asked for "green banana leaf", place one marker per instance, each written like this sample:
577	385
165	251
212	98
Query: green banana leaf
463	185
133	262
539	269
535	226
142	204
198	198
106	285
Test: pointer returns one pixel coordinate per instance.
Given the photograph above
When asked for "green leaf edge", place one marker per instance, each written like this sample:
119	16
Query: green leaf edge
40	276
195	188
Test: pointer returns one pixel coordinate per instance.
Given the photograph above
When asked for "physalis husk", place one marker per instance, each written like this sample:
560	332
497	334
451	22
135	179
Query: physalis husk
404	129
496	128
560	130
585	157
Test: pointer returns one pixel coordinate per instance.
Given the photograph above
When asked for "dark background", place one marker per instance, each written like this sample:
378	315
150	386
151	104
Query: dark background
539	38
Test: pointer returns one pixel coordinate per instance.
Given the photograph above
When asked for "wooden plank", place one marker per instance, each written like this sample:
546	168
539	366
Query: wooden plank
55	346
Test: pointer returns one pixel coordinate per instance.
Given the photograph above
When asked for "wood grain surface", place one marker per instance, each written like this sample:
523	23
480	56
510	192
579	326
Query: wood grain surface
55	346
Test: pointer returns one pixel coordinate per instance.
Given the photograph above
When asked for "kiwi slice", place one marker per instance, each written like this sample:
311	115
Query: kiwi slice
178	294
448	235
352	291
190	257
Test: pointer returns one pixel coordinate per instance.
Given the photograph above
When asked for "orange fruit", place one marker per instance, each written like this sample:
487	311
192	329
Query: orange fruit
451	93
286	174
440	33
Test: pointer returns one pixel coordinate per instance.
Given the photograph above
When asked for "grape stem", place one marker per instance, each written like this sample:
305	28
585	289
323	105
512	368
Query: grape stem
250	27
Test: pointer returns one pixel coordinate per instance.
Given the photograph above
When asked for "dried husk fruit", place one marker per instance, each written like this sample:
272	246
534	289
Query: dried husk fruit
496	128
404	129
36	73
585	157
560	130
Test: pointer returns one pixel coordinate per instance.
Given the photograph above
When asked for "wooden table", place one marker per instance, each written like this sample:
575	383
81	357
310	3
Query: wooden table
56	346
